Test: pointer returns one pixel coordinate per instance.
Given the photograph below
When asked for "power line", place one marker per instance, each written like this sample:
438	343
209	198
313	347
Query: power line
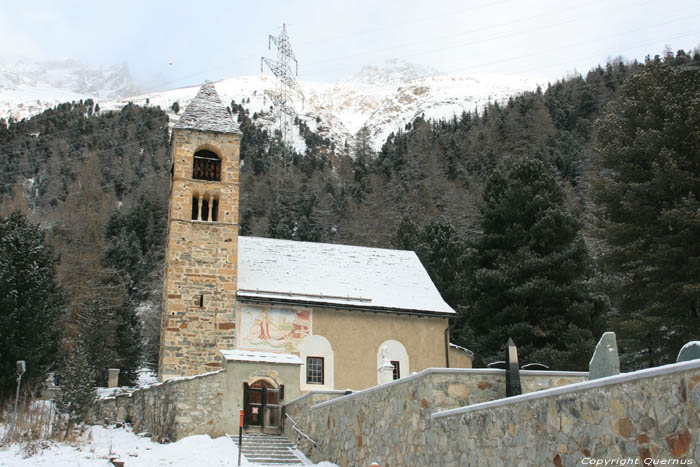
477	43
523	56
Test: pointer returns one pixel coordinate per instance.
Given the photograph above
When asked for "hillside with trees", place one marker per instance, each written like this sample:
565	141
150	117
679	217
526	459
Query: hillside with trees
492	200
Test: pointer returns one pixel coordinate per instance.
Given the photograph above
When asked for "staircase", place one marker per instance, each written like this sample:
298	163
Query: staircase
268	449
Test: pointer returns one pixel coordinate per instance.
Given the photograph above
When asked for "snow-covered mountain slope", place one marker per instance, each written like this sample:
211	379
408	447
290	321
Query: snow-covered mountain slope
383	98
31	86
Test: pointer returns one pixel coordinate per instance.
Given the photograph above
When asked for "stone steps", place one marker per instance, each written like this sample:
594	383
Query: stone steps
268	449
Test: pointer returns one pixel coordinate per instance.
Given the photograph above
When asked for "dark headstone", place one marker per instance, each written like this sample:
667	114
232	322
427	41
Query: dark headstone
605	360
513	387
690	351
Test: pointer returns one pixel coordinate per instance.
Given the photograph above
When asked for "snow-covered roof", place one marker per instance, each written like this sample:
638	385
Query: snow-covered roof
206	112
463	349
268	357
343	275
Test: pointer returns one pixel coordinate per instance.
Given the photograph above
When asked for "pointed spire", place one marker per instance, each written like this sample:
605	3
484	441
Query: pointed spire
206	112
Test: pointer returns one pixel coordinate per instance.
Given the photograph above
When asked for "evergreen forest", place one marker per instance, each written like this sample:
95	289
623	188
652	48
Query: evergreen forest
550	218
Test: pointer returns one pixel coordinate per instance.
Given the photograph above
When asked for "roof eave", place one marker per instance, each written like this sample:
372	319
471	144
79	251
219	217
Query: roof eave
347	306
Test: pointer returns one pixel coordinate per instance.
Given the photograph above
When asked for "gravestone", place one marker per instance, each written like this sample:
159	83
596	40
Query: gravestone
605	360
690	351
513	387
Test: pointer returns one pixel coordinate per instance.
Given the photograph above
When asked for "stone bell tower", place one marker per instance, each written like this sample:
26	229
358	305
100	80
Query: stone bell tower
201	258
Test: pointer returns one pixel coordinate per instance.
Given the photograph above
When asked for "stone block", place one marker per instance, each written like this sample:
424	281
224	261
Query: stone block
605	360
690	351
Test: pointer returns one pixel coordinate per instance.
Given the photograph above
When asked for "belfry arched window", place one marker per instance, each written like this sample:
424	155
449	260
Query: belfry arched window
207	166
205	208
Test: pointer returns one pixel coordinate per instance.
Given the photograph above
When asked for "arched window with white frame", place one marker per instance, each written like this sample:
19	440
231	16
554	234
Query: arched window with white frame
316	363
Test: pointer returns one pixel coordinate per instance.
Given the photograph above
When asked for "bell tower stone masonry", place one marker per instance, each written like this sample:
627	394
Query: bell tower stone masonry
201	258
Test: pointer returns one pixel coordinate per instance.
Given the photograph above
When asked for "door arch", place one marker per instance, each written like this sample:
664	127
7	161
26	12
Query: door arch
262	403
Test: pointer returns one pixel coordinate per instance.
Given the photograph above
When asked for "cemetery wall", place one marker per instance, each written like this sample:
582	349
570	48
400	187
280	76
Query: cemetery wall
172	409
392	421
650	415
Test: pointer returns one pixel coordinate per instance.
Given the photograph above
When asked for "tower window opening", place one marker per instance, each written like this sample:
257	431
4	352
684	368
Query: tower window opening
205	210
195	208
201	301
214	210
207	166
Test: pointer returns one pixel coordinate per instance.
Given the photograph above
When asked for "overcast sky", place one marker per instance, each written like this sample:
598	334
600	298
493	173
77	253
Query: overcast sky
176	43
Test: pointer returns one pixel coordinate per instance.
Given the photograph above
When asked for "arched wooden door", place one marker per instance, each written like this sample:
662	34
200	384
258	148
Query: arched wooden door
261	401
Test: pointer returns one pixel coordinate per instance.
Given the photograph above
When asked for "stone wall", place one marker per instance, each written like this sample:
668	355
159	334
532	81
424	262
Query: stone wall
299	410
171	410
646	416
651	414
391	422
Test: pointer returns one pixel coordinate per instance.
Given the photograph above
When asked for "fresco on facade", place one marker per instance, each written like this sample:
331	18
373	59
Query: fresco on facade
272	329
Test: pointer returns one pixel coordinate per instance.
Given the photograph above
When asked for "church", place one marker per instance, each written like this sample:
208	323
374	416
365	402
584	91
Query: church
281	317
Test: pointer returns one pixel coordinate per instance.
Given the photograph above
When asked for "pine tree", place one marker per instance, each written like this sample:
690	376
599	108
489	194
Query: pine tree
96	326
78	393
31	301
529	274
128	344
649	141
440	250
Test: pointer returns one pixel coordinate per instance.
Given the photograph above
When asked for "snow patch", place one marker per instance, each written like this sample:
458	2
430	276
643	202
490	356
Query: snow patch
103	444
268	357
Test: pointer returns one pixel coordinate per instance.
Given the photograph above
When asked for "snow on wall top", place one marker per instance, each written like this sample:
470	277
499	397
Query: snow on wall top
206	112
268	357
348	276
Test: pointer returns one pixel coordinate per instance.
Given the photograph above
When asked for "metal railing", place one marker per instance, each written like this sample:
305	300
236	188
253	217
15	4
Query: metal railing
299	432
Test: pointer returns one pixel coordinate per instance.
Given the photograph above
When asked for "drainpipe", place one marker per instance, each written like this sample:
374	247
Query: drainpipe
447	346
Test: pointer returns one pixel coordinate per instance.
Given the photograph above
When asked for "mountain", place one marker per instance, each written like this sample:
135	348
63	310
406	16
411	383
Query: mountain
394	71
28	86
383	98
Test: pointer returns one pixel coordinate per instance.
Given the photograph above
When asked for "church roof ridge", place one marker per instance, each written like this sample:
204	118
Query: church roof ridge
334	245
206	112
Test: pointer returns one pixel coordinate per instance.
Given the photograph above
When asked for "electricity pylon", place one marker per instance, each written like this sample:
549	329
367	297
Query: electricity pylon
286	87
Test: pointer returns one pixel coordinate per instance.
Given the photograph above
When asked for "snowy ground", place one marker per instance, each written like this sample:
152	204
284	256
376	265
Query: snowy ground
133	450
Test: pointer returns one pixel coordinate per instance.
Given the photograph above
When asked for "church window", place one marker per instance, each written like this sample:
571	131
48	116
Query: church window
195	208
214	210
397	369
314	370
205	208
316	353
207	166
